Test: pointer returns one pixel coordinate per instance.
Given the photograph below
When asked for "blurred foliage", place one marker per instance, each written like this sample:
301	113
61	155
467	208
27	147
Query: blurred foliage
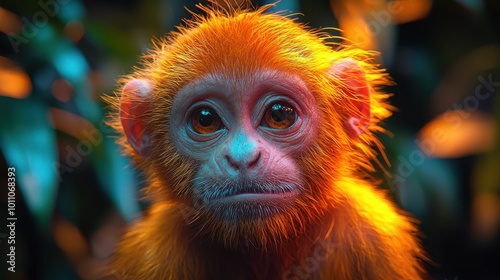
75	191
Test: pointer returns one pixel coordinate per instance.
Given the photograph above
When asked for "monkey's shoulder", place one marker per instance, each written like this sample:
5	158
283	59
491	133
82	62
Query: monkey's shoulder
373	234
152	248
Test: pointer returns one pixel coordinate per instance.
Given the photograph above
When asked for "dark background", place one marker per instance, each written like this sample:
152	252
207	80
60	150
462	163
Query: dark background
75	192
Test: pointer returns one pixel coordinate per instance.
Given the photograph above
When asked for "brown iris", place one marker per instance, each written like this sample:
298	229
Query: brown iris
205	121
280	115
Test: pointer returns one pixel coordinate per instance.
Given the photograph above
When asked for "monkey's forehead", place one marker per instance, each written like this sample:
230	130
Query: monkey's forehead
242	42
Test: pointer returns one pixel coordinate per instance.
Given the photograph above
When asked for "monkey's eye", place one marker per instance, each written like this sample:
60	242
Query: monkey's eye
205	121
279	115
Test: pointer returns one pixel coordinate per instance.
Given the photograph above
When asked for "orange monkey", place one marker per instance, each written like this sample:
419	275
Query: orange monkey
255	135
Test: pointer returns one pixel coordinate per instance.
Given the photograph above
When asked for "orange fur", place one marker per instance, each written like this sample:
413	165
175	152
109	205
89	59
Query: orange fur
365	235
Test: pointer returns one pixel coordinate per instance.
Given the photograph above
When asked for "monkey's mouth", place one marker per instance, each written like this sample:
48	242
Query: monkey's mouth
231	200
257	194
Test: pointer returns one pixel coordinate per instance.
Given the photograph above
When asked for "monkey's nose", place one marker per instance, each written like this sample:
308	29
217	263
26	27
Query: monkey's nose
243	163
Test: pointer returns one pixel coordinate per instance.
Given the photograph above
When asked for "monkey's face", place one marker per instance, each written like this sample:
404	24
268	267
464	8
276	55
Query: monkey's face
246	127
245	135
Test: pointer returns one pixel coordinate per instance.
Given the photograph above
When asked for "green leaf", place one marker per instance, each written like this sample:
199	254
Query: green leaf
29	144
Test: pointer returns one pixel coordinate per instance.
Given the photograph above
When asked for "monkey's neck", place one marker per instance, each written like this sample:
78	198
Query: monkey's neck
262	262
239	264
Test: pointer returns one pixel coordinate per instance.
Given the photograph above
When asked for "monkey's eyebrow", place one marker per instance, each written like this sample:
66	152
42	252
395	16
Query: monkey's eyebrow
283	81
221	82
201	87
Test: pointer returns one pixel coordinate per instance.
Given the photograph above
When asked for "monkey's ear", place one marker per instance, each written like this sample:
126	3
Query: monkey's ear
353	77
133	107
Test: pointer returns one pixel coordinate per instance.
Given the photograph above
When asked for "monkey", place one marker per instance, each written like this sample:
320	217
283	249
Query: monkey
257	136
